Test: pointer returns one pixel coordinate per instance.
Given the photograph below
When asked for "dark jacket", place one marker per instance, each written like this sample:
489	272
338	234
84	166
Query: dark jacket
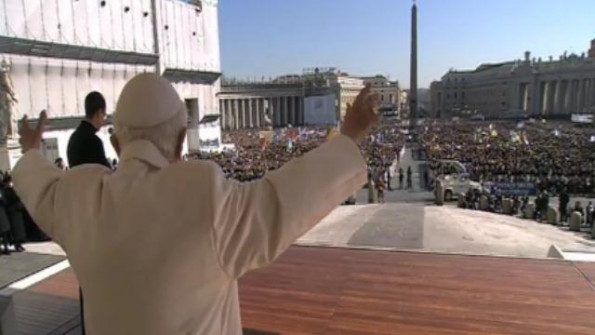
84	147
4	221
14	210
564	200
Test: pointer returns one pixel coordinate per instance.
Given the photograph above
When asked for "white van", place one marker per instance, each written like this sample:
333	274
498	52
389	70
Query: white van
456	184
455	179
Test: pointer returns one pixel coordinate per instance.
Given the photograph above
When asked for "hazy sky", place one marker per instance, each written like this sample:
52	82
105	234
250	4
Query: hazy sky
366	37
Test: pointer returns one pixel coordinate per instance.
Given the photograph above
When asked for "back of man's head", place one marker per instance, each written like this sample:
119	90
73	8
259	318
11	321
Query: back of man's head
94	102
149	108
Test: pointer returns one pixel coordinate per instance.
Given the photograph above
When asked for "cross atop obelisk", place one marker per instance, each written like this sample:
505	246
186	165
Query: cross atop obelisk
413	70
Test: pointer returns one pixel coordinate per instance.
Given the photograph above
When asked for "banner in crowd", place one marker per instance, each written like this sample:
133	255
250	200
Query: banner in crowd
510	189
582	118
320	110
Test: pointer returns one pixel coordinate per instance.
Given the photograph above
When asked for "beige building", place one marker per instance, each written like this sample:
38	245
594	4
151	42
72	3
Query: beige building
281	102
388	91
520	88
347	89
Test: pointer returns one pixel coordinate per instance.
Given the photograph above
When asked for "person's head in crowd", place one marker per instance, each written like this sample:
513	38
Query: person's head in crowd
95	112
59	163
149	109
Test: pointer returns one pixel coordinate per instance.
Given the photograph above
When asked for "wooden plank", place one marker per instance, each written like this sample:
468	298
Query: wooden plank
312	290
376	292
63	284
588	270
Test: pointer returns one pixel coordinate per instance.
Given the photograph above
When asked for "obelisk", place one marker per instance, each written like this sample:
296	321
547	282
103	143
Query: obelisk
413	70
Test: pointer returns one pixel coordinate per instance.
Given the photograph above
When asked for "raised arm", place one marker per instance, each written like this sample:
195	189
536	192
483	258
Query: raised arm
255	222
35	177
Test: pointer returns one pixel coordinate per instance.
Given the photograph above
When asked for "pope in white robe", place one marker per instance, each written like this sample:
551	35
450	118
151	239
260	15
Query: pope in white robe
158	245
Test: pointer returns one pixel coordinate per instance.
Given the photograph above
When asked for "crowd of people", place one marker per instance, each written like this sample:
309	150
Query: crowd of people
555	156
257	152
552	155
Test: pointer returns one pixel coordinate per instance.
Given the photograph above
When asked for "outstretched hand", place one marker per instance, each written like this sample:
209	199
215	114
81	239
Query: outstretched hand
30	138
360	116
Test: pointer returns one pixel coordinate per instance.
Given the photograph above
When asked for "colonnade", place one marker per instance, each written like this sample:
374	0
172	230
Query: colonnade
567	96
251	112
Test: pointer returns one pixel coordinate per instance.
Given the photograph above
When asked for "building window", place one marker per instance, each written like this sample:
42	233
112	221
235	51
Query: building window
390	97
455	95
462	95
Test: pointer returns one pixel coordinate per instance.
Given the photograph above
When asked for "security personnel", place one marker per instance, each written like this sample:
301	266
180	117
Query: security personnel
84	146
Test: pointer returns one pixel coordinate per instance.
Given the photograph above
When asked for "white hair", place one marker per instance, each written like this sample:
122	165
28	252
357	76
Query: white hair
164	135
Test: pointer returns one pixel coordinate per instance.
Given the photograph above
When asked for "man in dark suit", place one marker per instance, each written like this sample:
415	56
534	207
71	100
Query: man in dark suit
85	147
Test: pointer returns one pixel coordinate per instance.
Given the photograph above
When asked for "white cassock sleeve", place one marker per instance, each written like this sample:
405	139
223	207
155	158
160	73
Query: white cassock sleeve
34	179
255	222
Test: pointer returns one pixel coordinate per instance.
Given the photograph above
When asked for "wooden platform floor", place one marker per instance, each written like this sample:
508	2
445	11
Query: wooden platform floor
312	290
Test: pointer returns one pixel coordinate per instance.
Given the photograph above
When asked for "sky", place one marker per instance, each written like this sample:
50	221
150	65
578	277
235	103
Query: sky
267	38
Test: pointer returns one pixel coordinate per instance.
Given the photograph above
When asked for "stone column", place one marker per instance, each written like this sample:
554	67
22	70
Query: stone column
247	118
535	97
567	97
271	111
300	111
292	116
240	114
590	93
580	95
281	112
288	105
236	114
262	111
544	96
230	113
587	94
257	112
285	111
551	97
250	116
244	123
573	94
244	113
557	97
222	112
277	111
